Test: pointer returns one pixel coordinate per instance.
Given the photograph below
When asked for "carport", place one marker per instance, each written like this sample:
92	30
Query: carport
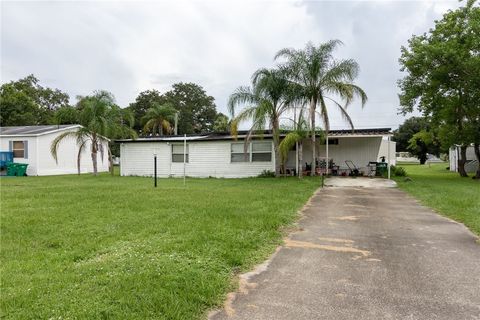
360	147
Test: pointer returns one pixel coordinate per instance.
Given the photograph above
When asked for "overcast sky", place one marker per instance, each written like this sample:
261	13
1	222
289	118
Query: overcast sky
127	47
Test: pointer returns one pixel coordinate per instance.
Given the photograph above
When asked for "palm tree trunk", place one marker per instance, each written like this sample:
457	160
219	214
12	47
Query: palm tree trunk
462	161
94	154
276	149
300	159
78	162
94	161
278	163
110	160
476	148
313	104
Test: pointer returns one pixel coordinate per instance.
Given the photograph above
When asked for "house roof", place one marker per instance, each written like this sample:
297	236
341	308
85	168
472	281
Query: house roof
34	130
265	135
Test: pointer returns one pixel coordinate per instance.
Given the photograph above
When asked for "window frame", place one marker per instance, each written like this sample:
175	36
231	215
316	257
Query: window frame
245	158
187	153
250	152
22	149
261	152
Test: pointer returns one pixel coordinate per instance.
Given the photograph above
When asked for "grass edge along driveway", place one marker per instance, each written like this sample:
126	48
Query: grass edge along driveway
446	192
116	248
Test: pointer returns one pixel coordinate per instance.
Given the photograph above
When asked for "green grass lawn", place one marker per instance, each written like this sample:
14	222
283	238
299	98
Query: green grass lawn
446	192
80	247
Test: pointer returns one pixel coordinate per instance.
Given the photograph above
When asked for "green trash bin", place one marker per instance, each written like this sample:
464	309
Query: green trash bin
21	169
11	169
381	169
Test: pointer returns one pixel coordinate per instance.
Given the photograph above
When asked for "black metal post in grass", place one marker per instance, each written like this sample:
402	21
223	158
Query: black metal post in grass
155	168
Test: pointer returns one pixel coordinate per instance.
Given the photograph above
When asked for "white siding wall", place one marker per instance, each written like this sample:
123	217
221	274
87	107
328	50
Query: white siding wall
31	156
206	159
136	159
384	151
67	157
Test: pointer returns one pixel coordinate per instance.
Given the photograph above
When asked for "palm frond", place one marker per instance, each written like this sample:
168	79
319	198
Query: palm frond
157	117
347	92
288	142
246	114
287	53
342	71
128	117
343	112
242	95
150	125
56	142
359	92
234	128
324	114
166	125
262	72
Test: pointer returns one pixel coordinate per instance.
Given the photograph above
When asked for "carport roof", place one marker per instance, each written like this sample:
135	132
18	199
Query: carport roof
266	134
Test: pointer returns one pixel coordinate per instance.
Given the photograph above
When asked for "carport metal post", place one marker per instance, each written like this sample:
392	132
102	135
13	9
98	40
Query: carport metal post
388	157
184	156
326	152
155	169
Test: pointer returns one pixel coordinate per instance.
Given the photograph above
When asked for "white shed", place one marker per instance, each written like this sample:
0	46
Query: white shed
31	145
225	156
454	155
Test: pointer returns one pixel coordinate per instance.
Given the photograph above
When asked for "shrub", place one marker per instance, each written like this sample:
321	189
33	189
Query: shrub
398	171
266	174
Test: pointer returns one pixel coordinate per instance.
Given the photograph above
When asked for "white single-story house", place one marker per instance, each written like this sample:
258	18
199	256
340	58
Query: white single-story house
224	156
31	145
454	155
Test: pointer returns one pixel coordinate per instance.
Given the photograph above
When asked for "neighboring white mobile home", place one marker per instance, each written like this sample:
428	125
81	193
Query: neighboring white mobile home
225	156
31	145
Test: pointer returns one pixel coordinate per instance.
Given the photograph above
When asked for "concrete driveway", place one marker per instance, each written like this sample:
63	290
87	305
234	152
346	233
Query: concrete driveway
365	253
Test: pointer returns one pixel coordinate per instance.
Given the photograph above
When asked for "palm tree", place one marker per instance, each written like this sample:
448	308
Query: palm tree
268	98
98	116
296	137
321	77
159	117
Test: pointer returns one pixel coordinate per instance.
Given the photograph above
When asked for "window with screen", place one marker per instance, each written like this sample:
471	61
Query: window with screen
18	148
262	151
177	153
238	153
